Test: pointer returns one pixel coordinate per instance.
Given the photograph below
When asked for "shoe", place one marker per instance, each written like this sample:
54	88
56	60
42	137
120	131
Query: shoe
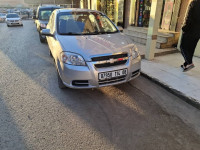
187	67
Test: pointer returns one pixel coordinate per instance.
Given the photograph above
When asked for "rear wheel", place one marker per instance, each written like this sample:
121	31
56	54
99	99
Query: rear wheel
42	40
60	82
50	54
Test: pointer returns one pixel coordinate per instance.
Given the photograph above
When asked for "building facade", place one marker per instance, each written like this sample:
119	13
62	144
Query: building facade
12	3
172	15
64	3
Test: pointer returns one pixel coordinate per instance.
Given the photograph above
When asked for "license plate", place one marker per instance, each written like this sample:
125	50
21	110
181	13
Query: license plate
113	74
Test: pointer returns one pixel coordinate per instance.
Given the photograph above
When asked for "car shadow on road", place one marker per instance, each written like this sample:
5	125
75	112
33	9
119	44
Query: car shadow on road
10	133
122	114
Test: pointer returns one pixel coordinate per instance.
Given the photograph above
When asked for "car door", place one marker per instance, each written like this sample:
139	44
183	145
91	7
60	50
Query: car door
52	40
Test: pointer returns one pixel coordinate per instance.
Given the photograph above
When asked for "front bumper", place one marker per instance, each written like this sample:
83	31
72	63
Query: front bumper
18	23
87	76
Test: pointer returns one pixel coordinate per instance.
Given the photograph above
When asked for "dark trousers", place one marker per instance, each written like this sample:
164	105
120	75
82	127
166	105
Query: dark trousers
188	45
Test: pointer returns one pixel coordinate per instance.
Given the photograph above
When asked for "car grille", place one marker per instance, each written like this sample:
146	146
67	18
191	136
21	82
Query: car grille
110	60
113	80
14	20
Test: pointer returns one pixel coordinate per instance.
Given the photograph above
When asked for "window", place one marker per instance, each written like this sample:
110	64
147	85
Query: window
84	23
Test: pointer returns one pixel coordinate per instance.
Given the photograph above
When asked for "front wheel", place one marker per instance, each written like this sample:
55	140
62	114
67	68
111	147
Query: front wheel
8	25
60	82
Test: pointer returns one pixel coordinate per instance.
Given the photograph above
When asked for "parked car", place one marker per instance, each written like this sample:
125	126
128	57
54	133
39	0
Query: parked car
13	19
89	50
2	17
42	18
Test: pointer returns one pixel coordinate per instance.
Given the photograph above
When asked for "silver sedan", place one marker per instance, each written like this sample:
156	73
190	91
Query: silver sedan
13	19
89	50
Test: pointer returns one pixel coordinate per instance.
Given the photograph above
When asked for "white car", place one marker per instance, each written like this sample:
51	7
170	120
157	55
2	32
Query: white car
2	17
89	50
13	19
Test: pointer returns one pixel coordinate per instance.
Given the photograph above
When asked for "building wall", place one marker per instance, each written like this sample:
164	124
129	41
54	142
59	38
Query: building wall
38	2
11	2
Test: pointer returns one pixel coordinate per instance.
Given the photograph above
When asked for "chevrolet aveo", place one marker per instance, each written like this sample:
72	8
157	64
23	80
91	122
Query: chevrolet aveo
89	50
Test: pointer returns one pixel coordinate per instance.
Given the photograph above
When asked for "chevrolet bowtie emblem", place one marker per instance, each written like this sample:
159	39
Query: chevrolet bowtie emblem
112	61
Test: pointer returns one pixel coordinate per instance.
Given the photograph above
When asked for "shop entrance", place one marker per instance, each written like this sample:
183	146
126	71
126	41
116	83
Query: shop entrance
114	9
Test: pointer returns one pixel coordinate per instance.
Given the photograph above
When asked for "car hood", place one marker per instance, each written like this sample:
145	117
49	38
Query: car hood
13	19
96	45
44	21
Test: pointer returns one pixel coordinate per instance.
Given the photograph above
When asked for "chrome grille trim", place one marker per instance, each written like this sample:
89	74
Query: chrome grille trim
110	60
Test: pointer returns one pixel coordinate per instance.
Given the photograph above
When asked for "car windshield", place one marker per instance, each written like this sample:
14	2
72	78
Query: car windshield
84	23
2	14
12	16
45	14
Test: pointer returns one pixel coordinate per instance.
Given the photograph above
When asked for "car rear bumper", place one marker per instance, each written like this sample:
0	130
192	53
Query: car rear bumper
80	77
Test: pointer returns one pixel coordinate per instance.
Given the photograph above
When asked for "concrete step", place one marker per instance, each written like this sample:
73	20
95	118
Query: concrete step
166	39
161	38
143	41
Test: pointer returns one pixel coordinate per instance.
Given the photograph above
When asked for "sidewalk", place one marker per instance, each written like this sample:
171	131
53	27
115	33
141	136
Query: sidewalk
165	70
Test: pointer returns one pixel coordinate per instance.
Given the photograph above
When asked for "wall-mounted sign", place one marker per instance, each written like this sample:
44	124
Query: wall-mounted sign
140	16
167	14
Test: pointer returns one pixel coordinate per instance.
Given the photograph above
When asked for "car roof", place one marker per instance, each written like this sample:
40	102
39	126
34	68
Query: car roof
76	10
49	6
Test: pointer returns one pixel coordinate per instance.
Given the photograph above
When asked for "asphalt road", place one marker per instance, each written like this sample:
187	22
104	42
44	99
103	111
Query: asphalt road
35	114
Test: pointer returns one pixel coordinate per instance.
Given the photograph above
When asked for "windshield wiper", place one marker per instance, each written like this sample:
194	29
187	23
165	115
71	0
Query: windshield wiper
70	33
108	32
91	33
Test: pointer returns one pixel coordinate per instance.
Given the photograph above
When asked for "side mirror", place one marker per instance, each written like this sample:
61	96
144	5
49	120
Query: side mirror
34	16
120	29
46	32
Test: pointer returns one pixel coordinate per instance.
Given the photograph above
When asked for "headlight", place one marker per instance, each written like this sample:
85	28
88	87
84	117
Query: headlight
135	52
43	25
72	59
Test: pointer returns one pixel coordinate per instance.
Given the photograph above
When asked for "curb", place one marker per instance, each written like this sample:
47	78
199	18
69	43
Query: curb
179	94
163	53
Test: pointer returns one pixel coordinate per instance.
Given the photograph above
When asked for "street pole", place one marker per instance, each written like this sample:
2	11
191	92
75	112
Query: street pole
155	15
88	1
127	10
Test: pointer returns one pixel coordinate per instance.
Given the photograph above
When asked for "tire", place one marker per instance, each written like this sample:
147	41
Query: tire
42	40
50	54
8	25
22	25
60	82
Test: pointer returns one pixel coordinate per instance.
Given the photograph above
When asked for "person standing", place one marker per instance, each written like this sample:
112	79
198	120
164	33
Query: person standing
191	34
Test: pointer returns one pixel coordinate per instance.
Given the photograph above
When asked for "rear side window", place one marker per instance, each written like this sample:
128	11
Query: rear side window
45	14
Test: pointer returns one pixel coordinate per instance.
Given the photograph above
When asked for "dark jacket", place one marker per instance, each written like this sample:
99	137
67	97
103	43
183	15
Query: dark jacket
192	20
